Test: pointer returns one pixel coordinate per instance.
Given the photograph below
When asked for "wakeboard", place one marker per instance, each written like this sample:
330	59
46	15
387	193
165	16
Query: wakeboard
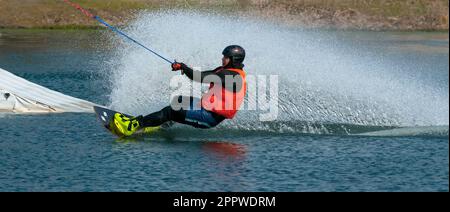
107	116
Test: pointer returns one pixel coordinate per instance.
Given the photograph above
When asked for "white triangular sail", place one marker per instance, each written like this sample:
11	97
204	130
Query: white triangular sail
18	95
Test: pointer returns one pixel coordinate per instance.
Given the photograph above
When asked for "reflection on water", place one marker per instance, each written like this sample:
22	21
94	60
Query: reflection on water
226	163
221	150
225	150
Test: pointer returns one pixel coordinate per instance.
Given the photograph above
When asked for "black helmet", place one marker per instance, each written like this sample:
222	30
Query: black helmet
235	53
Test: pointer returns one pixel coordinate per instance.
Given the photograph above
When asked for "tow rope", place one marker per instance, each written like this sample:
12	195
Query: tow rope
114	29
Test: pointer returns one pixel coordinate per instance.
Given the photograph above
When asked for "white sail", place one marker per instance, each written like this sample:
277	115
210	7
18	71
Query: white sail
18	95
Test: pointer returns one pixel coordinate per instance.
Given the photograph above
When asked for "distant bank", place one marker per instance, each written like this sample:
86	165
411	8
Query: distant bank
335	14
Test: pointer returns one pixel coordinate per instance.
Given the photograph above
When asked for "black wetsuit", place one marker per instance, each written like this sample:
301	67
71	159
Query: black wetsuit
189	114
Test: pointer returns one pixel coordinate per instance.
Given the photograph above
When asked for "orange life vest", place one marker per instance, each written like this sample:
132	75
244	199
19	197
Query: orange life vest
222	101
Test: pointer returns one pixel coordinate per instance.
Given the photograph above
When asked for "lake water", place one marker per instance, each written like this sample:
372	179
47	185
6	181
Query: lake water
72	152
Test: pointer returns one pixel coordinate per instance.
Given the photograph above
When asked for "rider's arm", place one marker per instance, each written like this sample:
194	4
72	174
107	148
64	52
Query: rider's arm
199	76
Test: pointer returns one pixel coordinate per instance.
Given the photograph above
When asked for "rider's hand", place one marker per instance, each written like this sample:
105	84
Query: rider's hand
177	66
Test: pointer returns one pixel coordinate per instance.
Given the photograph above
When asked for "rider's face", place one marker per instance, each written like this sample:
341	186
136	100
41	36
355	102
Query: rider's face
225	61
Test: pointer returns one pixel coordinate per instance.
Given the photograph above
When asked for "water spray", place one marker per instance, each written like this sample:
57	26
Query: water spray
114	29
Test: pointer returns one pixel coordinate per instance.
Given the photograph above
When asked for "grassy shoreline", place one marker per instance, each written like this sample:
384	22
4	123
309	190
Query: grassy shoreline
380	15
88	28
